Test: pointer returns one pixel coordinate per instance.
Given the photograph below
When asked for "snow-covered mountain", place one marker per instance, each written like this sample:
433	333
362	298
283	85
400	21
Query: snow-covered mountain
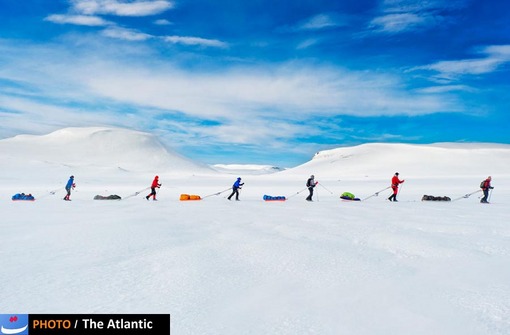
128	150
96	147
382	160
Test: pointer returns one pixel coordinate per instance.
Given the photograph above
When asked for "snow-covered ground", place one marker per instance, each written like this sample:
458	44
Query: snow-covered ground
255	267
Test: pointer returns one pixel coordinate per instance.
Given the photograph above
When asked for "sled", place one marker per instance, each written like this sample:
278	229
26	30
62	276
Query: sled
109	197
188	197
23	197
347	196
344	198
276	198
434	198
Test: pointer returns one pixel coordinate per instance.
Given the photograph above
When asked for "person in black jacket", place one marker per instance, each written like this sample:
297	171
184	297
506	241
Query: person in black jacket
311	183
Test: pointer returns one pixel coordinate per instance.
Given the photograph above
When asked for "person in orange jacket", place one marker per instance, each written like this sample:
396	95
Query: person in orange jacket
155	184
394	185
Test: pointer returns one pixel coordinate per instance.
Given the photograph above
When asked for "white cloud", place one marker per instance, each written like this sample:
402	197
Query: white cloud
121	8
250	100
81	20
495	56
307	43
125	34
414	6
399	16
162	22
316	23
320	21
498	51
446	89
189	40
421	5
39	117
293	92
465	66
247	130
394	23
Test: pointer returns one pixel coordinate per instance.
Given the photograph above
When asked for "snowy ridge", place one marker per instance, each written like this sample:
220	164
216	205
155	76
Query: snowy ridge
380	160
97	147
128	150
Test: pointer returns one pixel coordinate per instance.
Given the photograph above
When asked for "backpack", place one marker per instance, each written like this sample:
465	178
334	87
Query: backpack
482	184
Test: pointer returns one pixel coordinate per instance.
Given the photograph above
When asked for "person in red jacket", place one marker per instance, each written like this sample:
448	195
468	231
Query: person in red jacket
486	186
394	185
155	184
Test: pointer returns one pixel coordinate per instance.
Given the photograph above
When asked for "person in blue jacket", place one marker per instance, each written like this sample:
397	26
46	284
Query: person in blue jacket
235	189
70	185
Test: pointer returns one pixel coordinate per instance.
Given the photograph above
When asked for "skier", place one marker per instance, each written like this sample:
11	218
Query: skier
235	188
394	185
486	186
155	184
70	185
311	183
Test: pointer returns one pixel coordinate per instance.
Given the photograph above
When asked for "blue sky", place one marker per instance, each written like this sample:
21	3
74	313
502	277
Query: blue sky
267	82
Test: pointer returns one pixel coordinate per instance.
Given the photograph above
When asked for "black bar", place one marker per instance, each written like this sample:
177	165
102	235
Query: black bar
122	324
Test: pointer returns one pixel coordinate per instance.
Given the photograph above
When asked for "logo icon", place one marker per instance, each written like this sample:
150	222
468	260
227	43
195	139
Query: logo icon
14	324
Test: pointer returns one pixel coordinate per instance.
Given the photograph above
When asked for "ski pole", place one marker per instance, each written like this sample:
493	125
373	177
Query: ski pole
376	193
489	197
325	188
400	189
